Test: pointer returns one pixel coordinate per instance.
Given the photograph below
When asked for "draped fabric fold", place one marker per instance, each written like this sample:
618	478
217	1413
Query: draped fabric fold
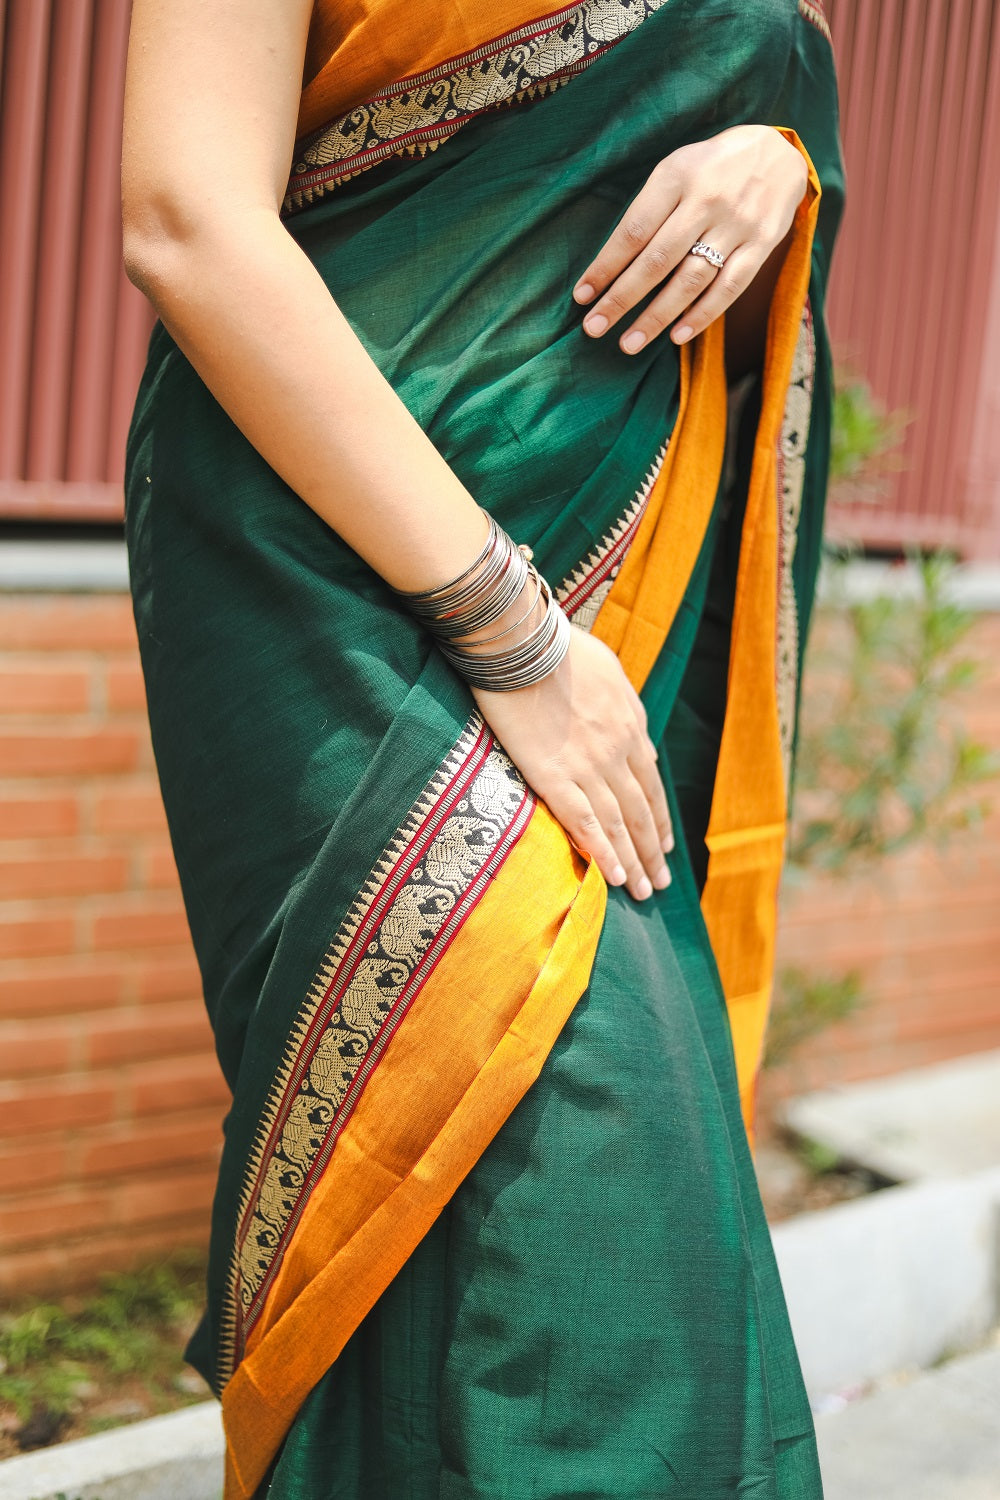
460	1064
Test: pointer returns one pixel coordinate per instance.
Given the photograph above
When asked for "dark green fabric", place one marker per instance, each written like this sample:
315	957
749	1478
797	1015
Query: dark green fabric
597	1314
598	1311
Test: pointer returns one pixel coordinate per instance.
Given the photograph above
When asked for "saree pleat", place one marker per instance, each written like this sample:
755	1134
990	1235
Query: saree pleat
486	1222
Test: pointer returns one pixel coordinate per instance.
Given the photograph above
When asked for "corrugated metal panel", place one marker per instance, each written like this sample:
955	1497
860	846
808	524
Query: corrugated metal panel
72	330
915	302
917	263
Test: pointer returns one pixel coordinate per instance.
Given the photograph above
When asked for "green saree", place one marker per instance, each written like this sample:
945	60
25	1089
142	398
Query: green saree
487	1223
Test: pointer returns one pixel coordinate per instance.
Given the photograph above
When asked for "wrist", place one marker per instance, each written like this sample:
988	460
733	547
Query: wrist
497	622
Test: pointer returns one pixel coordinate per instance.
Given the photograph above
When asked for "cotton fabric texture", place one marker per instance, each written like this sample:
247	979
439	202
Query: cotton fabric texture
487	1223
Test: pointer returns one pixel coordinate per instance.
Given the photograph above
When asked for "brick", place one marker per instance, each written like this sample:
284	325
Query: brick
158	922
126	691
27	1169
56	1215
164	1195
197	1141
70	986
54	1107
962	1016
72	753
38	1270
78	1264
937	992
177	1084
28	937
171	1031
31	817
130	809
68	622
38	688
27	875
170	977
159	868
28	1047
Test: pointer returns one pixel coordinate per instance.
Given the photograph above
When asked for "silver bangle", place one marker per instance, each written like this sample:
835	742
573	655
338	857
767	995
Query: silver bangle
480	595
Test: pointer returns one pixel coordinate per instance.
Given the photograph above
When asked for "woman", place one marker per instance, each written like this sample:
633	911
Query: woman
486	1222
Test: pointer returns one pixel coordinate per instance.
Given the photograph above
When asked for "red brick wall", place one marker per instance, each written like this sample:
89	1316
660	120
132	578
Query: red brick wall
922	930
110	1097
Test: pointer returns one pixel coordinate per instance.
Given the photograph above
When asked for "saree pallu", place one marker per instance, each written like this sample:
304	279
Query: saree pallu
486	1222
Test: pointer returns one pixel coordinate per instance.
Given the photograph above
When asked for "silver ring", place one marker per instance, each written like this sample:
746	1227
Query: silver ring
714	257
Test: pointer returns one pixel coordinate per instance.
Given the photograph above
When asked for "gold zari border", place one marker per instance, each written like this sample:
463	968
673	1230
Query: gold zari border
814	11
415	114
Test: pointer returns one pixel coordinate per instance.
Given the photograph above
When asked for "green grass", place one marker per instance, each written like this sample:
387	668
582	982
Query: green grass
58	1355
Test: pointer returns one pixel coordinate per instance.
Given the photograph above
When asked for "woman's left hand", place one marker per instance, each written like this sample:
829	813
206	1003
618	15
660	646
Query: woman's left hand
738	192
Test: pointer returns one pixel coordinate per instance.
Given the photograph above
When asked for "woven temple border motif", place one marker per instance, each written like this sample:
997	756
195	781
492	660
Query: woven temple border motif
791	476
415	114
435	869
584	590
815	11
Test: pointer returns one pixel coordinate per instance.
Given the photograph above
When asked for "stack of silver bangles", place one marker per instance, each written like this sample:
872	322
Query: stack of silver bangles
478	597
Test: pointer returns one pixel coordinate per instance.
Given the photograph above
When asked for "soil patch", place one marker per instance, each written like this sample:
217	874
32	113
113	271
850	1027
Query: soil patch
796	1177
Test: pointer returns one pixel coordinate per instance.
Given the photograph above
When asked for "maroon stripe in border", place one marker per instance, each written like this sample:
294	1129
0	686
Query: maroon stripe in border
461	779
586	586
380	904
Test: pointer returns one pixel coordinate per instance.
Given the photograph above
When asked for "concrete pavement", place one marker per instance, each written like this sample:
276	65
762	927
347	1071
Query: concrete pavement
934	1437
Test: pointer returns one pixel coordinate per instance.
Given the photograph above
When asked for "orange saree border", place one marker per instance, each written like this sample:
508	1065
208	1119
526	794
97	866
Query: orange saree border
412	87
512	976
746	832
355	47
433	870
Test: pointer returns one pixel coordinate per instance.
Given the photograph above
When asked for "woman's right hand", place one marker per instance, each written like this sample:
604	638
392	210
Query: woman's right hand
579	739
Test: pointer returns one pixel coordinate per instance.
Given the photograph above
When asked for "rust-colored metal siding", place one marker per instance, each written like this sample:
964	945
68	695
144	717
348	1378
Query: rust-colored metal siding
915	298
72	330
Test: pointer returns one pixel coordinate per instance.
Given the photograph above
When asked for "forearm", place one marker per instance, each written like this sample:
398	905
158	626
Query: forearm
252	314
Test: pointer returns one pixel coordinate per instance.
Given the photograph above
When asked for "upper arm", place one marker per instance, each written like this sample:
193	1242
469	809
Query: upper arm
211	100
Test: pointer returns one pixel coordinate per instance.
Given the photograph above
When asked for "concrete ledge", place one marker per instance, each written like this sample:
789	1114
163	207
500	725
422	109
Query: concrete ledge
99	564
176	1457
897	1280
938	1121
972	585
93	566
936	1437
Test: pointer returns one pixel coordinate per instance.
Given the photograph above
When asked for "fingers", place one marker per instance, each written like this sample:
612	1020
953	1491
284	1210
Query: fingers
644	217
723	287
647	774
622	826
693	282
572	807
665	256
728	284
627	822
